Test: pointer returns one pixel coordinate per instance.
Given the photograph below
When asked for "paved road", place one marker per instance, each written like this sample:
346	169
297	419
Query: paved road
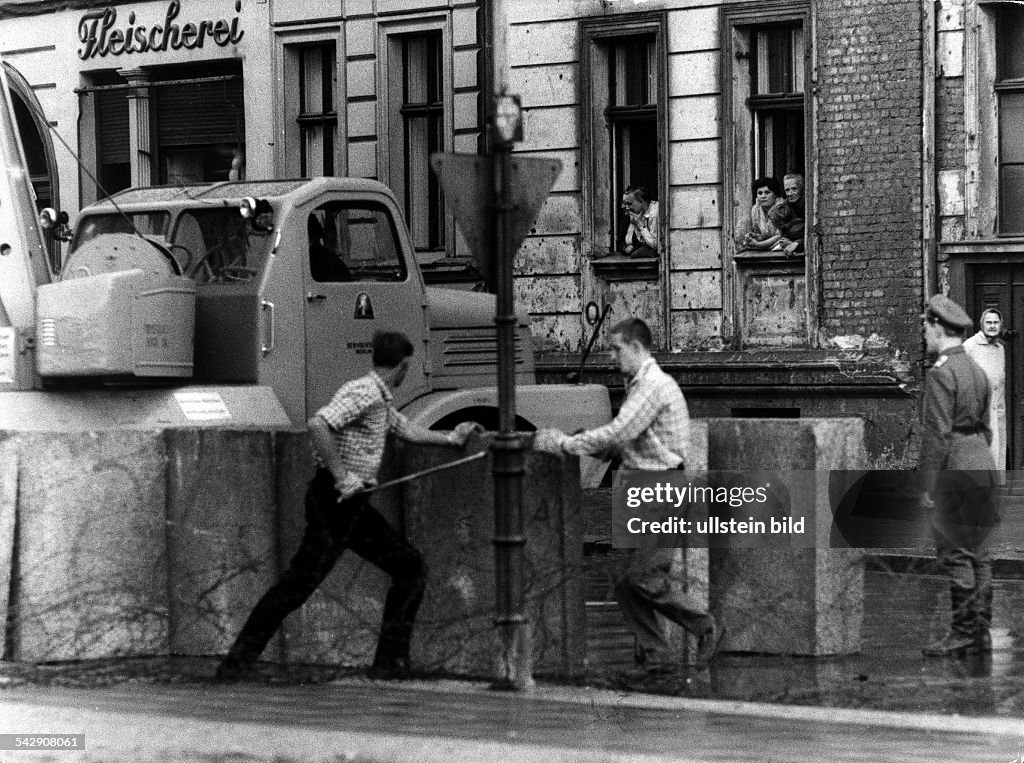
356	719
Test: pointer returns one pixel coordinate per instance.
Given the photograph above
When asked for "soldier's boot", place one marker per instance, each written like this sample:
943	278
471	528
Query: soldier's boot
962	635
984	620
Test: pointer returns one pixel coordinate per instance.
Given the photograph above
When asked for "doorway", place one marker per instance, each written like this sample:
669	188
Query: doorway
1002	286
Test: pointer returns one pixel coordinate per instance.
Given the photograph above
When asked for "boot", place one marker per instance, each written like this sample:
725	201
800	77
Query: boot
984	619
962	637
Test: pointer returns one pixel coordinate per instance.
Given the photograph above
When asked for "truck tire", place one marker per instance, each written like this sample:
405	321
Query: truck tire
486	417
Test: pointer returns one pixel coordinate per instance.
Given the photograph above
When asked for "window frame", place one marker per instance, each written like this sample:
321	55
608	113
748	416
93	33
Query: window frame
288	152
325	119
601	226
1002	88
739	21
391	122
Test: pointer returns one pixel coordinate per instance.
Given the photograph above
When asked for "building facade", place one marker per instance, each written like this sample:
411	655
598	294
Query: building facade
902	118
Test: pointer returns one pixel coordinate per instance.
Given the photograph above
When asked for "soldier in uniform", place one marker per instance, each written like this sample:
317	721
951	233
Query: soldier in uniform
958	475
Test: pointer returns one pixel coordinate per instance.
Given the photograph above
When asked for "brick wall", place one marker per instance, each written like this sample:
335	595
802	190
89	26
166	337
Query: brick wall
869	167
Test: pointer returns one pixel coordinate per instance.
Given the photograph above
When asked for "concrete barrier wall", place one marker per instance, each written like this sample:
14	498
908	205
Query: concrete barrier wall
155	542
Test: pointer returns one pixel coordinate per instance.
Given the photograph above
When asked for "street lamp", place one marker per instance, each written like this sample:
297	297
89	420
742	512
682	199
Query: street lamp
508	118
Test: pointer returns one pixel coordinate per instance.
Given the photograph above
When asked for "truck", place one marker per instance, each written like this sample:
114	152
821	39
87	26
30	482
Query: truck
244	302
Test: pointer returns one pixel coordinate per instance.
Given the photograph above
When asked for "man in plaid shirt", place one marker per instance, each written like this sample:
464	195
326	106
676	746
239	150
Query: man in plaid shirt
650	433
348	438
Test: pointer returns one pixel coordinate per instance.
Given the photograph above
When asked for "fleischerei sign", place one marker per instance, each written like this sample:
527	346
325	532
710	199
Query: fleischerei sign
101	34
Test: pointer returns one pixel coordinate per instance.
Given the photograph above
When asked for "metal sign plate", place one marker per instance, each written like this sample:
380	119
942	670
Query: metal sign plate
467	180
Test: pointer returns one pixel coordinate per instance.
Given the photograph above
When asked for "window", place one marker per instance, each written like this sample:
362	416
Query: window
354	242
1009	88
632	120
198	151
624	102
415	75
114	170
310	98
777	100
220	246
765	117
161	104
318	116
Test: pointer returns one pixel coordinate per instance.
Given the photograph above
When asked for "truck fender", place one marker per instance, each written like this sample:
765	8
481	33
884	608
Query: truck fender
568	407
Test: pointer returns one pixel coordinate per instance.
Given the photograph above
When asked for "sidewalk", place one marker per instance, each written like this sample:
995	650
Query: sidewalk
360	720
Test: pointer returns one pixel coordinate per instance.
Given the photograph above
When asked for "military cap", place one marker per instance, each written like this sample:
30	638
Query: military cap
947	312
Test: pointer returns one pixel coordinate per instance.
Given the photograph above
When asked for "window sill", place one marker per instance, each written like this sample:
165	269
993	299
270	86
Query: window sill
618	268
762	255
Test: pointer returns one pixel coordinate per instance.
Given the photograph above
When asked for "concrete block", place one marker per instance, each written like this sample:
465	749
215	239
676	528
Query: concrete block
798	602
339	623
450	518
222	533
91	563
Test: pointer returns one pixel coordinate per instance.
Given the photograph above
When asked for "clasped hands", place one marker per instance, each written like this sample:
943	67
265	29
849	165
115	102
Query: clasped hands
462	432
550	441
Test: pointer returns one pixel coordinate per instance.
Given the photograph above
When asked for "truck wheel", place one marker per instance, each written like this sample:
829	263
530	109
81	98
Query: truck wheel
485	417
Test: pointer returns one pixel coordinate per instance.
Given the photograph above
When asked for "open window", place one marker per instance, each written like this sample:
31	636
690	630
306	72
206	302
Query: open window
766	112
624	114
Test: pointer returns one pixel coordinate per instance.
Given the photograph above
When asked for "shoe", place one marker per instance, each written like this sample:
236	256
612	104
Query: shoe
950	644
394	669
707	645
232	670
642	655
984	640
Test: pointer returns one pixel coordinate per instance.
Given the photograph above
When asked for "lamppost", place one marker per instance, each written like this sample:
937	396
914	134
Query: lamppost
508	447
496	198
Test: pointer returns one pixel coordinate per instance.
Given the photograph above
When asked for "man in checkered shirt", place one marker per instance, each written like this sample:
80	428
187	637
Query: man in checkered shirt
650	433
348	438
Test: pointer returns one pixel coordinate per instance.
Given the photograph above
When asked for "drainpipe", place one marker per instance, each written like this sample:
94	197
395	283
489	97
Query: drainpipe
929	193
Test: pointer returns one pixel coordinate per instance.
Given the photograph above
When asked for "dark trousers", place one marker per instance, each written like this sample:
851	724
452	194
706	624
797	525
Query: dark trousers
330	529
647	588
965	512
970	588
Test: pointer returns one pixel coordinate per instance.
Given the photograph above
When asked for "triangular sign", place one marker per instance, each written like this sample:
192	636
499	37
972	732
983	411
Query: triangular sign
468	187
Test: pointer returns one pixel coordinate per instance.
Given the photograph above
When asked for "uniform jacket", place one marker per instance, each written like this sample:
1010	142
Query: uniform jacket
955	433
